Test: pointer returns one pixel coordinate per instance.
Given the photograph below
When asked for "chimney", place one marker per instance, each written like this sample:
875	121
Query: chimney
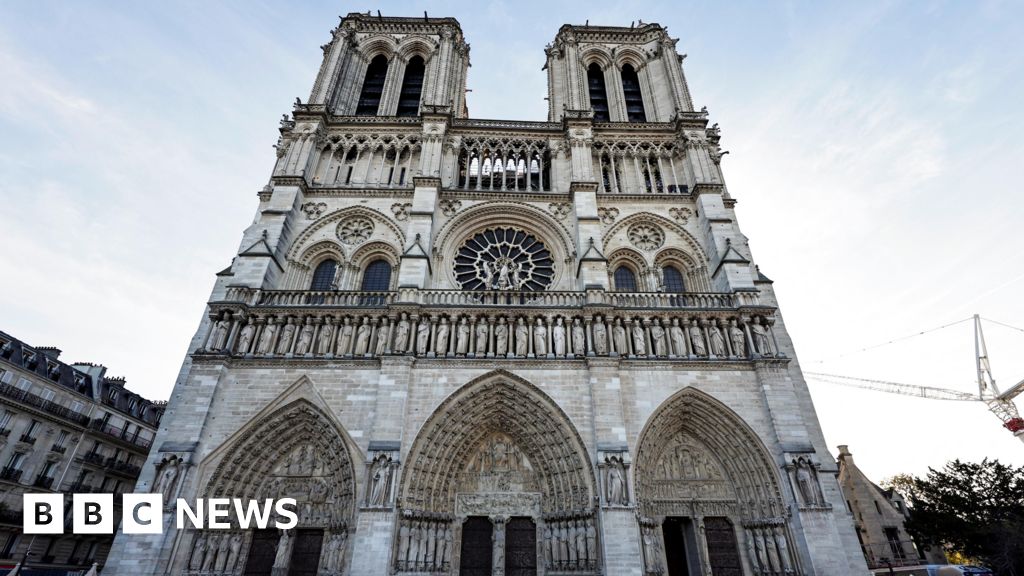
49	351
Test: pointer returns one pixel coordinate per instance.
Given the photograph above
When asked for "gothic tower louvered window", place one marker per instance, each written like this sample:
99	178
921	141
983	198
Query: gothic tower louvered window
598	94
412	87
373	86
631	92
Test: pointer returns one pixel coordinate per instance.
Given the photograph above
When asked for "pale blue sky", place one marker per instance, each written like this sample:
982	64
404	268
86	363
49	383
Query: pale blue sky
875	153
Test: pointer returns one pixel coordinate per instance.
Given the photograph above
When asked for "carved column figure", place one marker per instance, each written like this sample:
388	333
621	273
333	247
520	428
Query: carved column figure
441	339
383	337
639	339
245	337
462	337
345	333
265	344
678	339
423	335
540	338
600	337
501	338
284	345
619	338
481	334
738	340
716	340
522	338
498	540
558	338
401	345
658	338
305	338
326	336
697	340
579	340
363	337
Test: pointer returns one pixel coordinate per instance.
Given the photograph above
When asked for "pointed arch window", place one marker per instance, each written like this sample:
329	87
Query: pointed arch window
412	88
631	92
373	86
323	276
598	94
625	280
377	276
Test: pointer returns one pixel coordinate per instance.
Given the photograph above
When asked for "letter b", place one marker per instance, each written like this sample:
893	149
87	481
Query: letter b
43	514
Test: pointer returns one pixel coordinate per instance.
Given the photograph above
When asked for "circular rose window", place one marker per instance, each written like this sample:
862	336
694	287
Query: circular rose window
504	259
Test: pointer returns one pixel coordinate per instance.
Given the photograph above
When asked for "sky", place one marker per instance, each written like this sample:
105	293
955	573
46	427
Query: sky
875	154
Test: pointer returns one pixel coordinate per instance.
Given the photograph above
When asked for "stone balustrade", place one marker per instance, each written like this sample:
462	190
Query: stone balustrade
491	324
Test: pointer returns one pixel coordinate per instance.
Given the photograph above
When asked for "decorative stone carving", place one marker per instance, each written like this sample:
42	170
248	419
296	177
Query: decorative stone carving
462	337
313	210
759	333
422	336
651	546
402	334
450	207
363	337
646	236
540	338
716	340
658	340
803	474
305	338
619	337
245	338
600	337
441	338
424	542
738	340
284	345
639	340
501	338
697	340
579	338
481	338
613	466
169	471
560	209
607	215
401	211
345	334
680	214
558	337
284	551
326	335
381	469
383	338
522	337
266	341
355	230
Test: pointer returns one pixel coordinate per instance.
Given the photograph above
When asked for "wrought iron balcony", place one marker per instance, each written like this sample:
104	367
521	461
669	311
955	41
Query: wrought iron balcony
27	439
10	474
43	482
41	403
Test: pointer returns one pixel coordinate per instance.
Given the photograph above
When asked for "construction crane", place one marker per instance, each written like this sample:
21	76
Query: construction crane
999	403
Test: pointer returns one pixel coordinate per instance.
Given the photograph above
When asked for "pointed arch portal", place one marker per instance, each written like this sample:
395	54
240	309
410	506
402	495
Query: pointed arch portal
498	456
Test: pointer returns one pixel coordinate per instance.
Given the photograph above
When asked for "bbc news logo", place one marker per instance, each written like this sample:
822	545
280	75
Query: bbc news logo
144	513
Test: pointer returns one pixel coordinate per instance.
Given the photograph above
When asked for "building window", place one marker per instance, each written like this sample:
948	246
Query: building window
24	384
598	94
625	280
8	551
5	419
412	87
892	535
62	438
673	279
32	427
323	277
373	87
16	460
377	277
631	92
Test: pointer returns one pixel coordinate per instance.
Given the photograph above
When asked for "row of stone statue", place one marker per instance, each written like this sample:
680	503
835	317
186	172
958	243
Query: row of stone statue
570	544
501	336
424	545
215	553
768	550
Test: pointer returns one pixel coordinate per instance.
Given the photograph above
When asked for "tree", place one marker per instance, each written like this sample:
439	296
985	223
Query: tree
976	510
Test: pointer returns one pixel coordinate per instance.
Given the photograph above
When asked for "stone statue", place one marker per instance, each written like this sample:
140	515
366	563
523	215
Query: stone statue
600	337
780	539
739	346
504	282
522	336
198	553
363	337
760	334
651	551
326	333
235	549
501	338
284	557
697	340
498	537
266	341
220	333
616	483
383	335
548	559
658	338
446	551
675	332
752	550
345	338
402	334
481	337
403	545
540	338
558	337
222	553
462	337
581	543
422	336
165	479
716	340
591	542
441	341
488	275
773	553
305	338
330	554
381	480
579	338
431	547
245	337
414	546
619	335
807	482
639	342
211	553
284	344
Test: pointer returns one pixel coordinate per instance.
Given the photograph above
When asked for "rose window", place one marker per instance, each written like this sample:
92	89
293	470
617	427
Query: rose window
504	259
355	230
646	236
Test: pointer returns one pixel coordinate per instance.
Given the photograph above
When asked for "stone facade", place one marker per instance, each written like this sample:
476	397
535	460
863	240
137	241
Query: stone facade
879	515
64	428
488	346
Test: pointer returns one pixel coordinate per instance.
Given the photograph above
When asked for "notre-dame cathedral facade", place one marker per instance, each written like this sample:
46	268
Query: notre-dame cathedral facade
496	346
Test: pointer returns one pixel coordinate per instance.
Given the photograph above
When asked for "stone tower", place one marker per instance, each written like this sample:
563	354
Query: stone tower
496	346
